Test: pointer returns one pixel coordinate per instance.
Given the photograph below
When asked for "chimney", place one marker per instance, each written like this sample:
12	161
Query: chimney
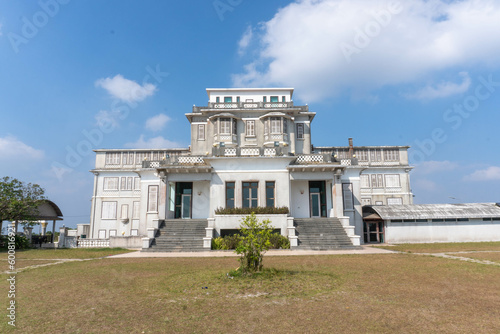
351	148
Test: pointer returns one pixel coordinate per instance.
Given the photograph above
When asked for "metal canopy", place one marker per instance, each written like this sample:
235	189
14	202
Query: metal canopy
436	211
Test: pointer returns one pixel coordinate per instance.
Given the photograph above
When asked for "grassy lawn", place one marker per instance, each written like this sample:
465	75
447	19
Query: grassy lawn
65	253
489	256
390	293
445	247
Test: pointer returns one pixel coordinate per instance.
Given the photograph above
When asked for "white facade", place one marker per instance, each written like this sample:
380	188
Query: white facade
249	147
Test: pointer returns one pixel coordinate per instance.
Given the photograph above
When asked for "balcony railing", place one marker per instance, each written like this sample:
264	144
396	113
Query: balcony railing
247	151
250	105
307	159
181	160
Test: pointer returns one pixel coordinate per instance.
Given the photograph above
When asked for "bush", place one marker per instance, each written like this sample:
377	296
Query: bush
279	241
260	210
21	242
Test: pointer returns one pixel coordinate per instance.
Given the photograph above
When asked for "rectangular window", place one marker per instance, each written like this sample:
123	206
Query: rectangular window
228	99
266	127
128	158
250	194
225	126
375	155
250	128
229	194
141	156
343	154
126	183
137	183
347	195
285	126
124	211
265	98
364	180
136	210
300	130
102	234
108	210
201	131
391	155
270	194
234	126
283	99
274	99
152	198
377	180
110	183
217	99
394	201
112	233
113	158
362	155
238	99
392	181
275	124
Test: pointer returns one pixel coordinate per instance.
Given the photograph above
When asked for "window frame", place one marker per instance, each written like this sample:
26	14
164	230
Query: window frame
228	186
109	206
271	185
201	131
109	179
251	198
250	128
300	126
153	204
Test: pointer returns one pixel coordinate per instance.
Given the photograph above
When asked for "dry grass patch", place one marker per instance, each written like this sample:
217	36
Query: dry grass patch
444	247
21	264
65	253
314	294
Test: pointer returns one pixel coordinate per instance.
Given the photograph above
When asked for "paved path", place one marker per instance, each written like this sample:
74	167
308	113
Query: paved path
272	252
462	258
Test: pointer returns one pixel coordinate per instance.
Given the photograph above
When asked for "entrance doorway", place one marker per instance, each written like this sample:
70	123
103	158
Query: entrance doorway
317	199
183	200
374	232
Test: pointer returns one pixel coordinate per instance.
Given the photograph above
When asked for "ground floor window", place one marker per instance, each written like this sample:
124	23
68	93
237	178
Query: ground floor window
250	194
374	232
229	194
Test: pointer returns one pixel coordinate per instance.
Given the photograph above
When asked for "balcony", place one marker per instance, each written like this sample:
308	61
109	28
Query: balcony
250	105
308	159
187	160
247	151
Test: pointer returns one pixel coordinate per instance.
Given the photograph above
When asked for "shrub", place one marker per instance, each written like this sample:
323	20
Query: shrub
279	241
260	210
254	243
21	242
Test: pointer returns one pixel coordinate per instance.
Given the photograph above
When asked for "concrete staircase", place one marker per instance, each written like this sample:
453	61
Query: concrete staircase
179	235
321	234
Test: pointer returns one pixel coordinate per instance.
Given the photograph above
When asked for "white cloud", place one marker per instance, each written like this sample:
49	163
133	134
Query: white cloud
157	123
245	40
424	184
107	119
304	44
156	142
12	148
488	174
431	167
125	89
443	89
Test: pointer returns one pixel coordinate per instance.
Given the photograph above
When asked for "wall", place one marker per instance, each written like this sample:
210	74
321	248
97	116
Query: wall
473	230
126	242
234	221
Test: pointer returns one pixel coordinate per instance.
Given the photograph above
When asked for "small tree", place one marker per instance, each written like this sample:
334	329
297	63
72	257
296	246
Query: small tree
254	243
19	200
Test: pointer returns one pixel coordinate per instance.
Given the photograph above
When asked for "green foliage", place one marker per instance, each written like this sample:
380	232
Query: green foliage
21	242
279	241
228	242
260	210
254	243
19	200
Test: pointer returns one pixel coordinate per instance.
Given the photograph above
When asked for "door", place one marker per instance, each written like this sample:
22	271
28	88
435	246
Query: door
186	206
315	205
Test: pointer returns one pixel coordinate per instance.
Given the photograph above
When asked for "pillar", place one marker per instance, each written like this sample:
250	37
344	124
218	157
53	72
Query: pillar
44	226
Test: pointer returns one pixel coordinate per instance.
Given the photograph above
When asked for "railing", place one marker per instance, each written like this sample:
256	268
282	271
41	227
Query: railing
181	160
247	151
306	159
93	243
250	105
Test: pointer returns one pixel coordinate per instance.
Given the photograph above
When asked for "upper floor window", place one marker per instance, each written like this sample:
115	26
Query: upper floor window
228	99
128	158
234	126
265	99
141	156
392	180
238	99
113	158
375	155
250	128
274	99
225	126
126	183
300	130
362	155
108	210
391	155
201	131
217	99
283	99
275	124
110	183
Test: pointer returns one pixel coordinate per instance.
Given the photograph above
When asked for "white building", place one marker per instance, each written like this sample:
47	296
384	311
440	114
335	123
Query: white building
249	147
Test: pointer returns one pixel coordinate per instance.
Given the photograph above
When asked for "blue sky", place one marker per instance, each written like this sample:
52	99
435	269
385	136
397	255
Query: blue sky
419	73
